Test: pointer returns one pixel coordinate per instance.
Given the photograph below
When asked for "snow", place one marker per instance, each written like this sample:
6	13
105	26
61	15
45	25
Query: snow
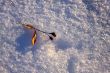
82	44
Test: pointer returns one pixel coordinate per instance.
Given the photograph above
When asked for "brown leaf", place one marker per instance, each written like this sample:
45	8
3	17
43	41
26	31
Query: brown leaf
34	37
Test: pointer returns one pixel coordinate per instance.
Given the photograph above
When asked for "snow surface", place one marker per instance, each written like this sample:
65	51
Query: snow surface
83	36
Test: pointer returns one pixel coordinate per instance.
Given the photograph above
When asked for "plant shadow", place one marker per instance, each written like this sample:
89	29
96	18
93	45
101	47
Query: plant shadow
23	42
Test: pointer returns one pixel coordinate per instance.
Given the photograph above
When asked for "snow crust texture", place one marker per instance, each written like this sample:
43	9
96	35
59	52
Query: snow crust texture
82	44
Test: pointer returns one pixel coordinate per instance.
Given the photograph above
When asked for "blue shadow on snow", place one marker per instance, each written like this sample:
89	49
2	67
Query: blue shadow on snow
90	6
71	65
23	42
63	44
79	45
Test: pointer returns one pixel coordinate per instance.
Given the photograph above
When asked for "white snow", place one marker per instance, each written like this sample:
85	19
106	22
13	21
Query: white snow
82	44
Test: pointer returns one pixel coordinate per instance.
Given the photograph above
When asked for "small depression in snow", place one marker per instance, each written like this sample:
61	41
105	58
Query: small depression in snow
71	65
63	44
79	45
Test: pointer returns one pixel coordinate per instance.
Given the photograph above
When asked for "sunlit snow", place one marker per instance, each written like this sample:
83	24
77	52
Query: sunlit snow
82	44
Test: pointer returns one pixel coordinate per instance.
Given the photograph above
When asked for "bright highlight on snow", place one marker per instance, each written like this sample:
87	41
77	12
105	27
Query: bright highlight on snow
51	35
